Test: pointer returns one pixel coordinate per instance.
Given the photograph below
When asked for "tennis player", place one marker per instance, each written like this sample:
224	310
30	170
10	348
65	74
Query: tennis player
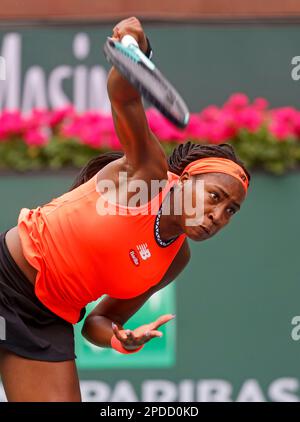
67	253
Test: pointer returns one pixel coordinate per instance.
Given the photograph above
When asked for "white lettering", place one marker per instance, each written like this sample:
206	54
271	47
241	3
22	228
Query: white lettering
124	392
34	89
57	97
95	391
296	330
159	391
250	392
10	89
282	390
295	74
214	391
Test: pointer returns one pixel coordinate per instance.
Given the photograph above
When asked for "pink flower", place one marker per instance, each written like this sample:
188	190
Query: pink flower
92	129
37	118
108	133
250	118
285	114
220	132
162	128
280	130
36	137
210	114
260	103
91	135
58	116
237	101
284	122
212	124
196	127
297	125
71	129
11	123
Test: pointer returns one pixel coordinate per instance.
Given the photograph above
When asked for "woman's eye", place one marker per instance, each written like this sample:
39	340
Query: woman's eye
231	211
214	195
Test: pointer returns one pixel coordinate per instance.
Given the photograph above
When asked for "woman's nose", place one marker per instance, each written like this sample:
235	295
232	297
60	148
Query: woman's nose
215	216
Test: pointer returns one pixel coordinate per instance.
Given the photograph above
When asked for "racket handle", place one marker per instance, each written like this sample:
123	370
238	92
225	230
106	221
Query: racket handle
128	40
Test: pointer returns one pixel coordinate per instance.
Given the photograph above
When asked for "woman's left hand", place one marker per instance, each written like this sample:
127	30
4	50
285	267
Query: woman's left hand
132	339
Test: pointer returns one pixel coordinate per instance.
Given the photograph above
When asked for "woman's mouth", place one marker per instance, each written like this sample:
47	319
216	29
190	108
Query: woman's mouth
205	229
199	233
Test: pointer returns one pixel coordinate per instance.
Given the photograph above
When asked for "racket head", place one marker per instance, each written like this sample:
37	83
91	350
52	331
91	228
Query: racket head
148	80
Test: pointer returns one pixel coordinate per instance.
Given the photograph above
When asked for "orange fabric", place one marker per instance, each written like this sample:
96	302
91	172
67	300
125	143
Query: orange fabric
218	165
81	255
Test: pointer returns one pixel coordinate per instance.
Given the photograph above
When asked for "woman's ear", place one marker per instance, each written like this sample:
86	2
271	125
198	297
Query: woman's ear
184	177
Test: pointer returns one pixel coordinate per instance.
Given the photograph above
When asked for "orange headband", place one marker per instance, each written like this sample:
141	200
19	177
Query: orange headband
218	165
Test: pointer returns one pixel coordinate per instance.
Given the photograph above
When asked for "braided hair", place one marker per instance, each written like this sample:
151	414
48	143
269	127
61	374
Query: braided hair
188	152
181	156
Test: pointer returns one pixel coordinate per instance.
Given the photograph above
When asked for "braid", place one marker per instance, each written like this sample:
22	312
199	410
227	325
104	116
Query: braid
185	153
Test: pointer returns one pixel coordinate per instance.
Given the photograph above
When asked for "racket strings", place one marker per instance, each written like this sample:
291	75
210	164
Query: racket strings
130	53
150	82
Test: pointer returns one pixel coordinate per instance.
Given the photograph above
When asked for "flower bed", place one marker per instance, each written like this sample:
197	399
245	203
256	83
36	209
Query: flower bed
263	137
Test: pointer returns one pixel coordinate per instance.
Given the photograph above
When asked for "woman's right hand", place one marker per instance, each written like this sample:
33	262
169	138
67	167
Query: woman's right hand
131	26
132	339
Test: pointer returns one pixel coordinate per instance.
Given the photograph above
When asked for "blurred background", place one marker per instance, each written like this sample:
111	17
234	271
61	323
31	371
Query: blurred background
236	63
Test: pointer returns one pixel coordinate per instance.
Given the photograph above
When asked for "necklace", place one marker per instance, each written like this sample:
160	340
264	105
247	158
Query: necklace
156	229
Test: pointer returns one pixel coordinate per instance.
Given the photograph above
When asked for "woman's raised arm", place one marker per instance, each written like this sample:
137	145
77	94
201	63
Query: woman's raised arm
140	145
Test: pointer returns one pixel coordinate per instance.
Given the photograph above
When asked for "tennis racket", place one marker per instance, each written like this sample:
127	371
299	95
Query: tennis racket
141	72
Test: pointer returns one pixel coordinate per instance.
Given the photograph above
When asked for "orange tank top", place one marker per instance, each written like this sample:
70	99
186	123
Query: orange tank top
81	253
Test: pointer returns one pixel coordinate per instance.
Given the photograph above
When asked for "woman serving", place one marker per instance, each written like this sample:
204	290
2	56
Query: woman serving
82	245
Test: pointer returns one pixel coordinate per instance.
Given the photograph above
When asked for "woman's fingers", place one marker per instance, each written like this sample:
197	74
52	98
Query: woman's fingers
125	336
149	335
156	333
118	333
116	35
130	335
161	320
133	27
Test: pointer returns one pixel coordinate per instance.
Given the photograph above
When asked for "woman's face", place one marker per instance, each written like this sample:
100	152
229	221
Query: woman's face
220	197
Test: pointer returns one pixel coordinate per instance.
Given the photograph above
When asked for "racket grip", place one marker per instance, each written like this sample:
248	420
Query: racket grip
128	40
